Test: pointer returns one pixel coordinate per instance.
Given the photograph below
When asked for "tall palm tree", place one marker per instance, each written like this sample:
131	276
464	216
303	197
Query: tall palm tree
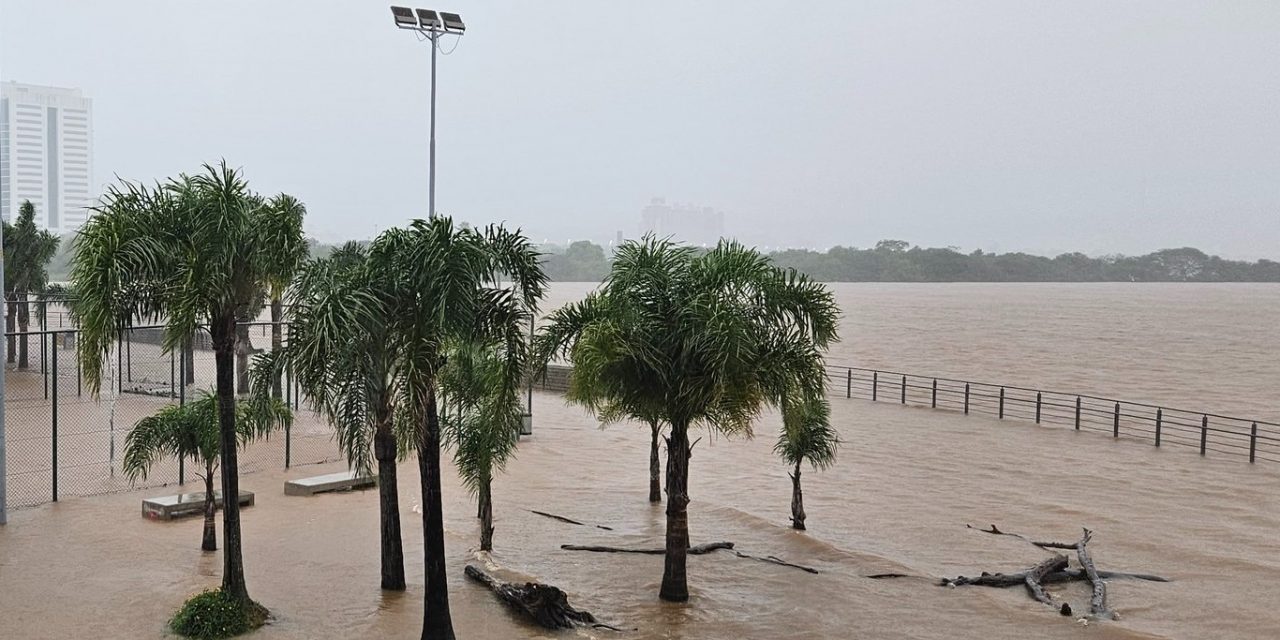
191	431
806	434
342	356
195	248
28	250
290	253
444	282
708	339
483	421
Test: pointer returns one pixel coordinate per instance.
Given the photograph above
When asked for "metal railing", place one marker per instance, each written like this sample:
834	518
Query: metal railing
1250	439
63	441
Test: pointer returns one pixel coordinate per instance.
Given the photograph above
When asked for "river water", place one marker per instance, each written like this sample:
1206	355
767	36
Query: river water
907	482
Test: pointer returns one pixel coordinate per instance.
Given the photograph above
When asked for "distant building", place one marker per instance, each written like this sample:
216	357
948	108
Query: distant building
686	223
46	154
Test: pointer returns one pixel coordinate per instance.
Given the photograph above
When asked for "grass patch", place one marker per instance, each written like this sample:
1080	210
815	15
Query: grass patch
213	615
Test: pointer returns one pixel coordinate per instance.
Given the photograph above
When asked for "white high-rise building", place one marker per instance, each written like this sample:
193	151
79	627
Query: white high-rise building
46	154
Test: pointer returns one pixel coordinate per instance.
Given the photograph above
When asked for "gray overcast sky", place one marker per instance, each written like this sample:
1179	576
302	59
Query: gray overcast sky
1100	126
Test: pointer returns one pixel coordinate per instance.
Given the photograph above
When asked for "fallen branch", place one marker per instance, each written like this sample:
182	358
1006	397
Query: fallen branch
693	551
1043	545
1098	602
775	560
1037	573
568	520
1002	580
544	604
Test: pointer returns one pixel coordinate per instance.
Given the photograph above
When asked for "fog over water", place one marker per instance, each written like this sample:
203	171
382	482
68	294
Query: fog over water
1093	126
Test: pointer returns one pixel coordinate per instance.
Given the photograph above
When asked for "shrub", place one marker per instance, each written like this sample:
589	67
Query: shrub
212	615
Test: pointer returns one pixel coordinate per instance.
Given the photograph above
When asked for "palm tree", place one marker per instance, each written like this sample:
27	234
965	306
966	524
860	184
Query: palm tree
286	259
342	356
191	431
806	434
444	285
483	424
28	250
195	249
655	461
706	339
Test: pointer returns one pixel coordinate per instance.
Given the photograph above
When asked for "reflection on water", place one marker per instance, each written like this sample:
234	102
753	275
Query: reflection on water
906	483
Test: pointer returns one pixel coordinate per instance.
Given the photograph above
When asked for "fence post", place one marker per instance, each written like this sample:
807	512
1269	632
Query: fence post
172	375
1204	433
1002	403
1253	441
904	389
1038	398
1159	424
54	358
128	347
119	361
43	368
1077	413
79	379
875	385
966	398
1115	425
934	401
288	444
848	384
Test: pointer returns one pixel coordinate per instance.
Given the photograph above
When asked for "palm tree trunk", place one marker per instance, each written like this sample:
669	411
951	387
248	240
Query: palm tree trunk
10	324
189	360
797	500
436	621
243	346
655	464
24	322
223	329
675	583
486	515
210	542
384	449
277	340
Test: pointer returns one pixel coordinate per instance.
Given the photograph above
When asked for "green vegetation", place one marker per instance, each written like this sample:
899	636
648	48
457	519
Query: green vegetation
214	614
27	252
191	431
195	251
697	340
481	421
341	353
581	261
806	434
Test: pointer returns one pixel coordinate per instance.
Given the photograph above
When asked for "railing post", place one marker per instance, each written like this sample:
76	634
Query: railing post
1159	424
1253	442
966	398
1204	433
904	389
934	401
54	358
1038	399
1002	403
875	385
848	384
1115	424
1077	413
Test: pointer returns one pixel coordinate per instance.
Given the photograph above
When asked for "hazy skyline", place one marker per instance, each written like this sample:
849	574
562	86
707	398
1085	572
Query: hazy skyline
1094	126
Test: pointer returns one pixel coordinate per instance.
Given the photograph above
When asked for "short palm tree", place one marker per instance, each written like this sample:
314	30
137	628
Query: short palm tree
707	339
190	431
341	354
443	282
285	261
195	250
806	434
28	250
482	422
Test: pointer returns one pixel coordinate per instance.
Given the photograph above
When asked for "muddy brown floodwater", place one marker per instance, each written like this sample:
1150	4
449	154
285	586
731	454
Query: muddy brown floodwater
906	483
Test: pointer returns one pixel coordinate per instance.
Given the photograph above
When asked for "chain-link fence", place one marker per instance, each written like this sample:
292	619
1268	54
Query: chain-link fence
64	441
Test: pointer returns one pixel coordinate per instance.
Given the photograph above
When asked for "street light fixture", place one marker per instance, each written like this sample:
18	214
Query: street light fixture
432	25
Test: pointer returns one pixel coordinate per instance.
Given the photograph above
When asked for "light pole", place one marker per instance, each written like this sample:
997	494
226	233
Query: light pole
432	25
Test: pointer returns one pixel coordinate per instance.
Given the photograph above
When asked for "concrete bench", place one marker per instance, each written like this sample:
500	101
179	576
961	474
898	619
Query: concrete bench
185	504
341	481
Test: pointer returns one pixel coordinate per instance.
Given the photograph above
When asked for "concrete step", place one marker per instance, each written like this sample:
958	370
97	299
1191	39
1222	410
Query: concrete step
185	504
341	481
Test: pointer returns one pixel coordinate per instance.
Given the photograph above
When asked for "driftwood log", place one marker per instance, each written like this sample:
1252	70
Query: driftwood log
568	520
1037	573
544	604
693	551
